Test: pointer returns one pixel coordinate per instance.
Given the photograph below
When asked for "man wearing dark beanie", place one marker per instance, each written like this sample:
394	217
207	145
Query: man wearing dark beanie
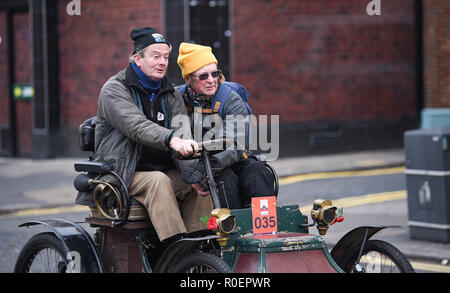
134	133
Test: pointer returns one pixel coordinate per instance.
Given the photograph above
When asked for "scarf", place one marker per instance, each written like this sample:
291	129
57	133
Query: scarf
152	86
200	100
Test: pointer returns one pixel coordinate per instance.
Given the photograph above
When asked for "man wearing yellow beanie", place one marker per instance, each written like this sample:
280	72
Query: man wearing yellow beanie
243	176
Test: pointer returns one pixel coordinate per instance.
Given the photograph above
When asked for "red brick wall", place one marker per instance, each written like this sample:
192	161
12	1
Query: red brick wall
436	36
308	61
22	75
4	97
326	60
96	45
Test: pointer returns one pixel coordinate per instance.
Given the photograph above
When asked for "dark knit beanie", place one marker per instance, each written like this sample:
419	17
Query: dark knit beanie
145	36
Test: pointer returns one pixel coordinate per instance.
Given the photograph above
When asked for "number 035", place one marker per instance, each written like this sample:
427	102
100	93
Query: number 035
265	222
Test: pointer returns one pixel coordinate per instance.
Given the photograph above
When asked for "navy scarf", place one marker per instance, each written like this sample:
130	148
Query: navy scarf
152	86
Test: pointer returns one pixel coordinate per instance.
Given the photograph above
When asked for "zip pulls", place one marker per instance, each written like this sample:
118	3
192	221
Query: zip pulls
152	108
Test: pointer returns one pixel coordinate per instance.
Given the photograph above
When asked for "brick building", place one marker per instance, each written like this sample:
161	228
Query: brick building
436	37
339	79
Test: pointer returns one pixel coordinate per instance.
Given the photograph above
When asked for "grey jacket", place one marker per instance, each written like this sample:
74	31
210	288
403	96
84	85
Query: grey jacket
122	128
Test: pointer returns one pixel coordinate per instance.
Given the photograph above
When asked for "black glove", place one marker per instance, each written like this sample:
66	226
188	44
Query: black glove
224	159
193	173
204	184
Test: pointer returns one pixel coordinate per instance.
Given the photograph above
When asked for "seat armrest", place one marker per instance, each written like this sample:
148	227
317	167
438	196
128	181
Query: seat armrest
92	167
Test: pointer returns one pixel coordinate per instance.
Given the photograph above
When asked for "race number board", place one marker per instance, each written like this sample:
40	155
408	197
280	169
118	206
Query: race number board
264	215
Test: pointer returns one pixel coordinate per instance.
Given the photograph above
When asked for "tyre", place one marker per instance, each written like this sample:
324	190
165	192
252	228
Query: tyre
43	253
201	262
378	257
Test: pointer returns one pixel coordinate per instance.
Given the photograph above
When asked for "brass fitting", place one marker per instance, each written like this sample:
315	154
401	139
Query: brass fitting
226	223
323	213
101	191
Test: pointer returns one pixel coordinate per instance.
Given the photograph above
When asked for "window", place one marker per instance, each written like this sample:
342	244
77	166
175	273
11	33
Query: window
204	22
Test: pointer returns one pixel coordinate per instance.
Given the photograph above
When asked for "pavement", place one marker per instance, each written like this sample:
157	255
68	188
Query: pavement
36	184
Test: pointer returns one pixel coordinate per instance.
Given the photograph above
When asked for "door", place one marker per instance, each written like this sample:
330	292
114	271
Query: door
204	22
16	92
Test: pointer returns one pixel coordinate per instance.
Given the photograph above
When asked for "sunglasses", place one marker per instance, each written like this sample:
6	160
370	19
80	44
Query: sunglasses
205	76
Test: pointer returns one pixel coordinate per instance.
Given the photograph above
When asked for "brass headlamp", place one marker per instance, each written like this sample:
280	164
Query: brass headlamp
323	213
226	223
102	191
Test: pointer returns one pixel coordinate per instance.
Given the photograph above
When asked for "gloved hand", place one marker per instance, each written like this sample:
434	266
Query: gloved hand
193	173
224	159
204	185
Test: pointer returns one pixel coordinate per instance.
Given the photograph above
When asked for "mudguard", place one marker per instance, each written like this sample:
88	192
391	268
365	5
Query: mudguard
80	250
177	251
354	238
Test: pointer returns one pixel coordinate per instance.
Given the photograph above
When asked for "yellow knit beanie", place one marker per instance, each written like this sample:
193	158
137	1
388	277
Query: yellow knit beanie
192	57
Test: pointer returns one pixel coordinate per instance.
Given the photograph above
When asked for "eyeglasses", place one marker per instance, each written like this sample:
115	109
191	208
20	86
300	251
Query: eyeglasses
205	76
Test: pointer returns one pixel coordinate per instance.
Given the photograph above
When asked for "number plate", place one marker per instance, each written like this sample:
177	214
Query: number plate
264	215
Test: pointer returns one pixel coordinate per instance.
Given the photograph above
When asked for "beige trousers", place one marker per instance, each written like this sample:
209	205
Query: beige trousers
173	206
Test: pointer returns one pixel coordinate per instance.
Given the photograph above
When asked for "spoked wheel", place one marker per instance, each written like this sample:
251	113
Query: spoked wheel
378	257
201	262
43	253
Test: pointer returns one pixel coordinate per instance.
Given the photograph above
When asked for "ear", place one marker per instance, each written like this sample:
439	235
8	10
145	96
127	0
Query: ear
137	59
